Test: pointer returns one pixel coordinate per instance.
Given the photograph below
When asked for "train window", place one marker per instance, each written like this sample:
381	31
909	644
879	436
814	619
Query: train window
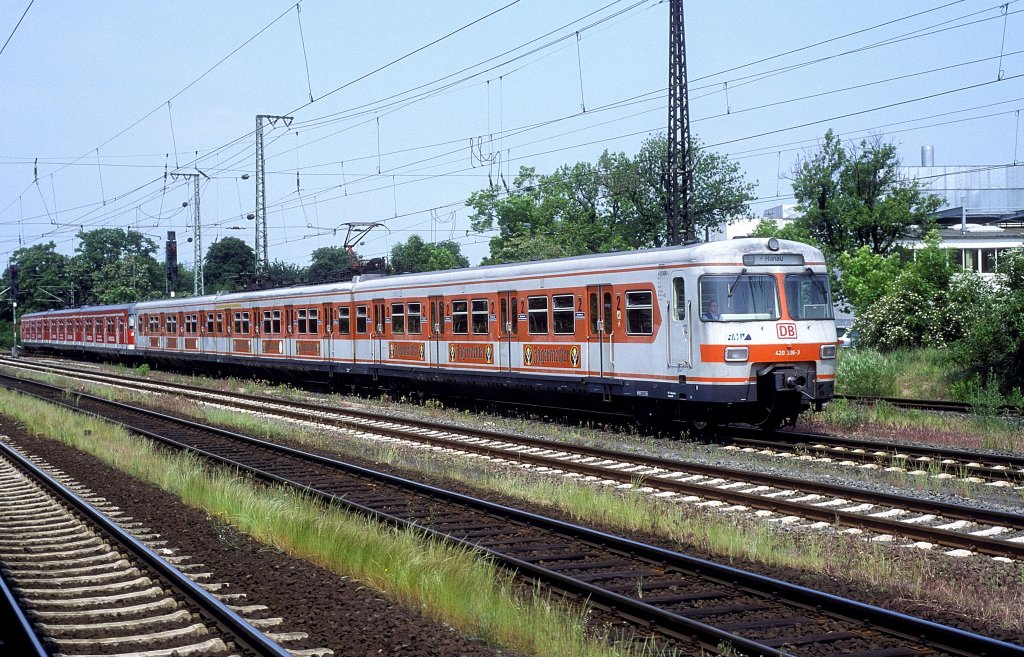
807	296
480	316
563	314
413	319
314	321
460	317
300	320
241	323
171	325
154	324
679	298
209	322
110	326
515	316
503	324
640	313
191	324
398	318
537	311
344	321
361	318
271	321
88	328
739	297
220	322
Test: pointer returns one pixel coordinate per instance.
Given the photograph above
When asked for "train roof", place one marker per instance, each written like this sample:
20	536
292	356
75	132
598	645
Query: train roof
724	252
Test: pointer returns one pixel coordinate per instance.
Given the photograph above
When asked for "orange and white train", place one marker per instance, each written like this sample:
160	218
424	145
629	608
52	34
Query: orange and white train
739	330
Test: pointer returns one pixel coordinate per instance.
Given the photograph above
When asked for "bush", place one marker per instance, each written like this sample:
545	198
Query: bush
866	373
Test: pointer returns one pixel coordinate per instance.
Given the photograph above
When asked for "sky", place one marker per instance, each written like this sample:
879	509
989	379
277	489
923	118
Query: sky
400	110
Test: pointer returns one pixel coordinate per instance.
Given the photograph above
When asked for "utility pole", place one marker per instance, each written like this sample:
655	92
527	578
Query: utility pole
262	252
198	225
678	181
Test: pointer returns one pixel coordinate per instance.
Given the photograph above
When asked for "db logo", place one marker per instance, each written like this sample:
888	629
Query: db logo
786	330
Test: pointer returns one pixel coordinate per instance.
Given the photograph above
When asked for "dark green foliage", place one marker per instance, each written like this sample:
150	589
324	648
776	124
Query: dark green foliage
616	204
415	255
229	266
329	263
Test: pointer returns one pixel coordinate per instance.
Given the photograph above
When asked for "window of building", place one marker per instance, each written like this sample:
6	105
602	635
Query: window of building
480	316
537	311
398	318
563	314
639	313
344	321
460	317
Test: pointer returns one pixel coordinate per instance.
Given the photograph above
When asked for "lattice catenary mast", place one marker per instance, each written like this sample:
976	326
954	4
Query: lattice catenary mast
679	167
262	252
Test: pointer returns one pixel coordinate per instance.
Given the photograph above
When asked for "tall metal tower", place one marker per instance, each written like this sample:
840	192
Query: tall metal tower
262	252
679	167
197	237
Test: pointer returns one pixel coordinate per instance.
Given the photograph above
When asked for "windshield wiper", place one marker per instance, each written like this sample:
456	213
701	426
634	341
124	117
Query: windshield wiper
735	282
817	282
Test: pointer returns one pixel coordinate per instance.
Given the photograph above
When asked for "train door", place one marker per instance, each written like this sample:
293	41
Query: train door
377	338
436	336
678	319
508	328
600	331
328	335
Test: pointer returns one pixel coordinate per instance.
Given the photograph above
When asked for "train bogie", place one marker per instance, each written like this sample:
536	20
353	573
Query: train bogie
724	331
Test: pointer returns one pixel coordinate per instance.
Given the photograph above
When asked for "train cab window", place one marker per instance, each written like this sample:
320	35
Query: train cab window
740	297
480	316
537	311
678	298
807	296
344	321
563	314
398	318
170	325
640	313
209	322
361	319
413	319
460	317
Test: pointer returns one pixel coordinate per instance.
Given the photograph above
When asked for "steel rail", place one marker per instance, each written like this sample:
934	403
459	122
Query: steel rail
19	637
943	637
246	636
948	538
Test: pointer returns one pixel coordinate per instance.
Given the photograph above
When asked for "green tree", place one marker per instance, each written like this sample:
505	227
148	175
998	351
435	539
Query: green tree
230	265
854	196
111	265
330	263
415	255
43	279
283	274
616	204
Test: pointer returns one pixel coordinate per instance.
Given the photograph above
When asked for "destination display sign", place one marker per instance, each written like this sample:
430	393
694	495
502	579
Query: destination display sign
773	259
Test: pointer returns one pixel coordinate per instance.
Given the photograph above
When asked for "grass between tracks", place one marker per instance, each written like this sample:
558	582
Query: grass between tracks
447	582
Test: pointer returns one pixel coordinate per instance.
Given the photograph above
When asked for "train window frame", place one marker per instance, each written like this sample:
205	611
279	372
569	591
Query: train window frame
794	285
721	288
154	325
272	322
209	322
479	315
537	316
460	317
314	321
398	319
414	318
344	320
191	324
301	322
639	312
679	298
170	324
563	314
242	325
362	319
220	323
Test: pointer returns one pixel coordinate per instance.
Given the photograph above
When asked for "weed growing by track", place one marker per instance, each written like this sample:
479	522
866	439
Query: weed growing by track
447	582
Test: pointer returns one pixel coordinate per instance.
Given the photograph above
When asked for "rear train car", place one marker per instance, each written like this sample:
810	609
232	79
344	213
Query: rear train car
739	330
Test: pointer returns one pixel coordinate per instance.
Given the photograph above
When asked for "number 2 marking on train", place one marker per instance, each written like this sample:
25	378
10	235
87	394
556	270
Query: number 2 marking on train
786	330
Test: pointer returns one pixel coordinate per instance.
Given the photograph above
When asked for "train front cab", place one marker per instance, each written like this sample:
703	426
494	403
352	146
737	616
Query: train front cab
768	344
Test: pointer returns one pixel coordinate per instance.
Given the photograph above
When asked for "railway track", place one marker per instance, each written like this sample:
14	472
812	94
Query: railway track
88	586
944	462
961	530
684	599
939	405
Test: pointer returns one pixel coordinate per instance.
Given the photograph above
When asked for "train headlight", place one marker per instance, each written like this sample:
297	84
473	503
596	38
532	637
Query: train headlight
828	351
736	354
